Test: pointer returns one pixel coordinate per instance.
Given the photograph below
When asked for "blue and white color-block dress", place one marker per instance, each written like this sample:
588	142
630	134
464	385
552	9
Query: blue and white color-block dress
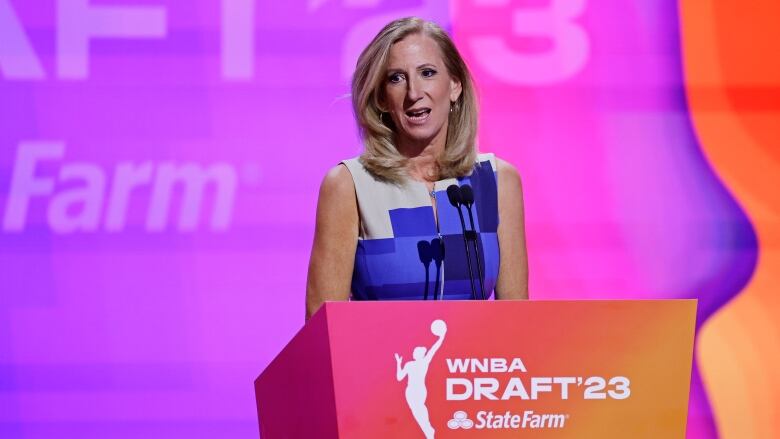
399	253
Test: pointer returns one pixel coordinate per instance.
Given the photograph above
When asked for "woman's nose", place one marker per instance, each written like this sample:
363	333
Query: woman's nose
413	89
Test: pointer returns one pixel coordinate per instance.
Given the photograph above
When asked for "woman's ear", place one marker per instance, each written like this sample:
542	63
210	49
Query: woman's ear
380	104
456	88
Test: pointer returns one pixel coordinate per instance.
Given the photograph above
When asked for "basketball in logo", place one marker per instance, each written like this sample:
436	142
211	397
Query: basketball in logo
438	327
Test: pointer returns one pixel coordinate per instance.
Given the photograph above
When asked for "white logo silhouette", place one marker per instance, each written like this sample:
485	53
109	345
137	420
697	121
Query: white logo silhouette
460	420
416	370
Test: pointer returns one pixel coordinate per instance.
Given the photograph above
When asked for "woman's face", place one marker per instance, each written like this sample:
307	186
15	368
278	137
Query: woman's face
418	90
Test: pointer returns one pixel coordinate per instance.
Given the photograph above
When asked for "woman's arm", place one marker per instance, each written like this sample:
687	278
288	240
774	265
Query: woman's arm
335	240
512	280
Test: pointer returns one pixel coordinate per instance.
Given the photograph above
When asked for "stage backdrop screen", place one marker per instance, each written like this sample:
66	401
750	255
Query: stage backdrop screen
160	163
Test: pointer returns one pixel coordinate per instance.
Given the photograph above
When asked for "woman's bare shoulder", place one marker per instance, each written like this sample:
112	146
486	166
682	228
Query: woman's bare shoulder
507	175
338	185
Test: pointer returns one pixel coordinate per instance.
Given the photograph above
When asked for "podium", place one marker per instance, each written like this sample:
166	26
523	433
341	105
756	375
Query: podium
483	369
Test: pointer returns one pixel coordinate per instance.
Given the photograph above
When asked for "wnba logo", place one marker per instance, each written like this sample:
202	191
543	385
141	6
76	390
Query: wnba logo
415	371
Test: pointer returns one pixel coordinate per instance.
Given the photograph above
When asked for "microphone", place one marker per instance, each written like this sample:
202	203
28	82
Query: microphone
454	195
466	195
467	198
456	199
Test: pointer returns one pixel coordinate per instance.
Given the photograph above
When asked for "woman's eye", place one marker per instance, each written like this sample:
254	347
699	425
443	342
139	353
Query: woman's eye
427	73
396	78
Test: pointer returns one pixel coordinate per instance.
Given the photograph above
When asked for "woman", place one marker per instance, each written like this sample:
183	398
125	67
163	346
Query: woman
385	228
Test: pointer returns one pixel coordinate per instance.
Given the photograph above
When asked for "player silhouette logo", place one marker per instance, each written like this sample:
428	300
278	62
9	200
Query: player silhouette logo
415	371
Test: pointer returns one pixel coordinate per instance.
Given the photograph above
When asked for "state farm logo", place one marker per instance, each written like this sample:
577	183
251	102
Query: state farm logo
85	197
507	420
460	419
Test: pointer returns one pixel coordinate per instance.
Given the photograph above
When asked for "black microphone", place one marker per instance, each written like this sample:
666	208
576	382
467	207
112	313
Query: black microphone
453	193
467	198
456	199
466	195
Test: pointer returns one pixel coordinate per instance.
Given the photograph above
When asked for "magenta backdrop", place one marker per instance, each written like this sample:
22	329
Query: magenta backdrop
159	166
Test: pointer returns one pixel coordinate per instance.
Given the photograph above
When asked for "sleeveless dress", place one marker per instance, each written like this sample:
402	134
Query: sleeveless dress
402	255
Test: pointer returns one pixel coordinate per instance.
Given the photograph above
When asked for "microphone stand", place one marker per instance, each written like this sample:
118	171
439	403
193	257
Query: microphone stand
454	195
467	197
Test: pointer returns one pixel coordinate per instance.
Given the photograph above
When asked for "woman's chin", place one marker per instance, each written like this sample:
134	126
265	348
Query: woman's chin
419	135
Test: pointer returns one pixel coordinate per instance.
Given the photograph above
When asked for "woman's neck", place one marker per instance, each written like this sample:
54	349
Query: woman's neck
422	164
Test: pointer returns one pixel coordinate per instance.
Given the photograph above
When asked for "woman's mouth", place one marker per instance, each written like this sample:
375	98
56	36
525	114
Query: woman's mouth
418	116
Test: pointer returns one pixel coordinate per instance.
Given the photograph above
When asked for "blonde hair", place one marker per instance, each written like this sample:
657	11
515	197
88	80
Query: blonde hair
380	155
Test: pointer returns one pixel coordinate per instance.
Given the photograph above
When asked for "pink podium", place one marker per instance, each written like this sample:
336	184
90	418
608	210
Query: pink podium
493	369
